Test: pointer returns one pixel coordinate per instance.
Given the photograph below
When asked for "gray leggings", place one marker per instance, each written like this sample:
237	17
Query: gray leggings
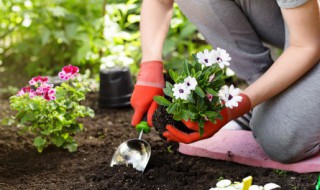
287	126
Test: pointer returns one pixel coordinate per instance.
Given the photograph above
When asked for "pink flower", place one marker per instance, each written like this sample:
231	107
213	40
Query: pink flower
50	94
38	79
46	91
209	96
27	90
41	90
68	72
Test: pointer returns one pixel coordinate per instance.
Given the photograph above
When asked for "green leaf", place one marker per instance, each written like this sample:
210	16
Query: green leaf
33	106
40	143
211	91
187	30
192	108
200	103
65	135
168	92
72	147
200	92
58	141
186	68
201	127
30	116
172	108
89	112
174	76
162	100
189	114
211	114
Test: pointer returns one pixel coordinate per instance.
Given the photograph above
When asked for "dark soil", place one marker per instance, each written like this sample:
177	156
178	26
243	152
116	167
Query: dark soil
22	167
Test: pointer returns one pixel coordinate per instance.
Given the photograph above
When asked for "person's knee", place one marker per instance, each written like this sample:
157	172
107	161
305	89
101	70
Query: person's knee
285	157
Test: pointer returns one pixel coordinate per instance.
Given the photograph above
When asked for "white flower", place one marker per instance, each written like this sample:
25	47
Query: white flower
206	58
223	183
230	96
181	91
221	57
228	185
190	82
270	186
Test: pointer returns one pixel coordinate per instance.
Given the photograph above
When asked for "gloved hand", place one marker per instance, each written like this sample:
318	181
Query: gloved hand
174	134
150	83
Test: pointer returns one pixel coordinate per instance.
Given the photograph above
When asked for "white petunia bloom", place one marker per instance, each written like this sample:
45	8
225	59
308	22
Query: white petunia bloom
270	186
230	96
221	57
180	91
227	185
223	183
206	58
190	82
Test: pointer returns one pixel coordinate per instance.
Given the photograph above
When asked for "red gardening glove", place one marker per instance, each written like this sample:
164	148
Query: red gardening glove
173	134
150	83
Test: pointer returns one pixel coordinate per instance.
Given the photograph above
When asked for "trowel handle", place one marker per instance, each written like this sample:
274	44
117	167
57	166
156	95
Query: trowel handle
143	125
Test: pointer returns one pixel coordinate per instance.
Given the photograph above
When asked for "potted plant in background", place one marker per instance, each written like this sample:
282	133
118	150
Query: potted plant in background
198	92
116	84
51	112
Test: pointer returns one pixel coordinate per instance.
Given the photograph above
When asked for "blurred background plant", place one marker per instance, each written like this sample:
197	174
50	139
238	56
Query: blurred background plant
38	37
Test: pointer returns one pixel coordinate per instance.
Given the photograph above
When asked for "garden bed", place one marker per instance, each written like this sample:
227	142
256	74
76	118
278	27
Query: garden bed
22	167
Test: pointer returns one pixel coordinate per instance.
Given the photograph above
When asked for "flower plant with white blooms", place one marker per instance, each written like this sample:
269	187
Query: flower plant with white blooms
198	93
226	184
51	112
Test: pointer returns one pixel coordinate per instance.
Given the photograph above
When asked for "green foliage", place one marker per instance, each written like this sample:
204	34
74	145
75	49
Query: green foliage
53	122
122	35
280	172
44	35
182	39
38	37
196	107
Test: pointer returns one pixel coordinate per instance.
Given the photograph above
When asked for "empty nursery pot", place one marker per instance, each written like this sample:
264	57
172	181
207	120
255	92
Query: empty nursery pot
116	87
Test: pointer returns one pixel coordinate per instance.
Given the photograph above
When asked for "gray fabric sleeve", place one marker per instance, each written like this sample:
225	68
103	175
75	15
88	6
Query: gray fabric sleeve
286	4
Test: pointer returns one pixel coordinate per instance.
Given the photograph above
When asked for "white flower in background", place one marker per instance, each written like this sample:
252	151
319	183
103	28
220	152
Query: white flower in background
125	61
206	58
111	28
26	20
180	91
230	96
113	61
191	82
221	57
108	62
28	3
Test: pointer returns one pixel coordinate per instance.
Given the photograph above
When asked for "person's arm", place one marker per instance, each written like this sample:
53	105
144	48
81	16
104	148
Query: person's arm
301	55
154	24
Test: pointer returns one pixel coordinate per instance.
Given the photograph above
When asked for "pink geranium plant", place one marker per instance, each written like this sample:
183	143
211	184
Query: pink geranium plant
50	112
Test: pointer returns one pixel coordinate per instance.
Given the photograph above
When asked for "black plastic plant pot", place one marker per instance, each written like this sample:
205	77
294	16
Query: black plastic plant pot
116	87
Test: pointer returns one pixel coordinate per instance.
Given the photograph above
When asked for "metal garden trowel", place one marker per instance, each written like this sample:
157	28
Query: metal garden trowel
135	152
